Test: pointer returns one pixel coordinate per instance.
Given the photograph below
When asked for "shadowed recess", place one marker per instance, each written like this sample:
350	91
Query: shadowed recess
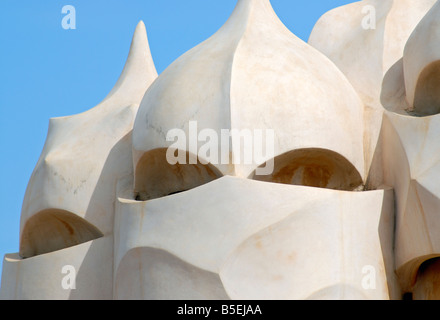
51	230
314	168
155	177
427	286
427	95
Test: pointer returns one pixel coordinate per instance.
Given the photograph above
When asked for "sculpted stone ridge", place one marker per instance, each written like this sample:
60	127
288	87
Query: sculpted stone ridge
349	210
365	56
244	77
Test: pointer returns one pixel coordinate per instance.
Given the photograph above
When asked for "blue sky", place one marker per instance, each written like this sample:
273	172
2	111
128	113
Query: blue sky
47	71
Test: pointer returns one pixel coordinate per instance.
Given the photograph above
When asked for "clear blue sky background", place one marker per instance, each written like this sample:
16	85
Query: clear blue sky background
46	71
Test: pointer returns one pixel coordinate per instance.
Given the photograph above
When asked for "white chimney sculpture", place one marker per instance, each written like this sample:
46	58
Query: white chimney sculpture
160	192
